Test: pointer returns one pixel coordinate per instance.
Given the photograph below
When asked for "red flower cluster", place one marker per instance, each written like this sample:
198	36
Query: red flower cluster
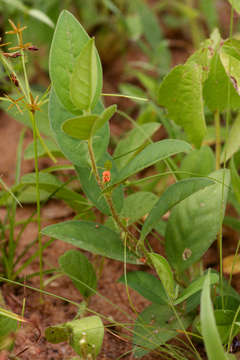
106	176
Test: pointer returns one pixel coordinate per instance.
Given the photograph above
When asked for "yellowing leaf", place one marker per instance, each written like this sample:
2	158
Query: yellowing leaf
231	265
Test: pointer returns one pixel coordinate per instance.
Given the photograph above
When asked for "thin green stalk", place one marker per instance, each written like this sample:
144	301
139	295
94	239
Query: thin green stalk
12	214
32	258
169	163
228	116
234	262
218	138
182	326
40	245
232	327
194	26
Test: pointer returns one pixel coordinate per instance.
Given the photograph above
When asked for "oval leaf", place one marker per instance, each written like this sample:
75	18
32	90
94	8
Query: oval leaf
195	222
83	81
164	272
80	127
85	126
80	270
181	93
68	41
92	237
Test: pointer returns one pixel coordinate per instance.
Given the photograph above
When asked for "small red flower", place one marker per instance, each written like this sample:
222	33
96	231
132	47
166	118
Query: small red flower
143	260
106	176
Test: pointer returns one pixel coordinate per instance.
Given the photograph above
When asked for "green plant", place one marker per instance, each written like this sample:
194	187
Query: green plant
196	95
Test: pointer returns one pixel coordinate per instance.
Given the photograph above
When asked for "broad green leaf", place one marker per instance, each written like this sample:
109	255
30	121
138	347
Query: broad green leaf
195	222
196	286
90	329
92	189
68	41
147	285
204	54
209	330
129	147
76	265
85	126
83	82
171	197
235	4
181	93
92	237
75	150
80	127
199	162
153	329
137	205
164	272
153	153
29	151
233	141
216	87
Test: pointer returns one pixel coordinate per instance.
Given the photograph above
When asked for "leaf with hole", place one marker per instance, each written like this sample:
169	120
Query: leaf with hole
194	223
90	329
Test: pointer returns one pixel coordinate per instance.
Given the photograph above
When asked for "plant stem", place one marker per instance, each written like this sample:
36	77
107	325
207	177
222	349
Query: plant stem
108	196
195	29
218	138
40	246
